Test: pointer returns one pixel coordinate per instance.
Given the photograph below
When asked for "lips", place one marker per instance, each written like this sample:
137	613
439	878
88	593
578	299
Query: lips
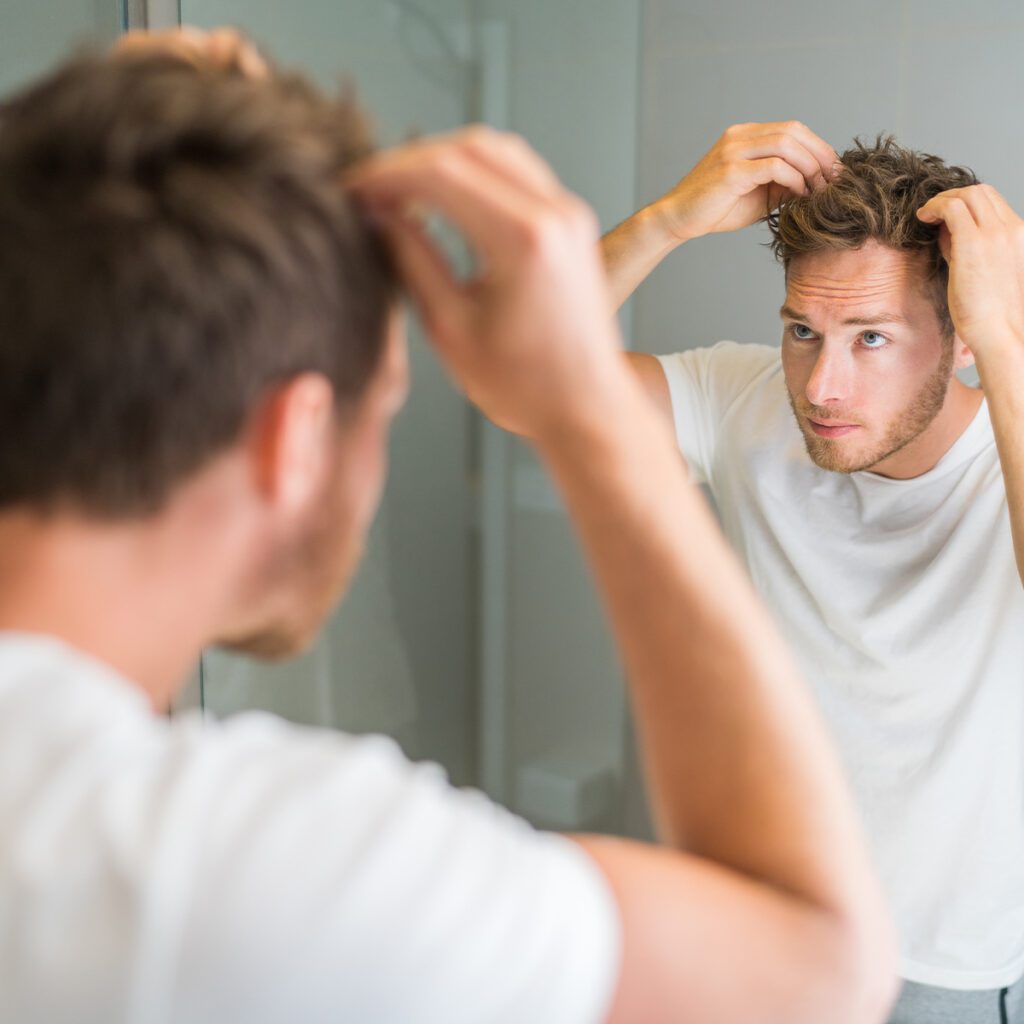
832	429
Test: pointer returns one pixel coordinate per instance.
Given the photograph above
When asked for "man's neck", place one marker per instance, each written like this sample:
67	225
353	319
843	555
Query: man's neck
927	449
121	594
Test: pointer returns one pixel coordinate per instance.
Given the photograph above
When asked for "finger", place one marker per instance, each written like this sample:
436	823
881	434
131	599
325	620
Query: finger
945	242
424	271
826	157
953	214
973	197
186	42
1006	213
494	213
950	208
222	47
791	151
978	201
226	47
775	170
514	159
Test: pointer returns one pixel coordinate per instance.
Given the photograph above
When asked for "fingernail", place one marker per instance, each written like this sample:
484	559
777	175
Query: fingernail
837	168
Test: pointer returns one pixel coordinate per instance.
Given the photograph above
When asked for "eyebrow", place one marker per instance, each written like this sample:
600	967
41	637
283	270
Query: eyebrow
854	321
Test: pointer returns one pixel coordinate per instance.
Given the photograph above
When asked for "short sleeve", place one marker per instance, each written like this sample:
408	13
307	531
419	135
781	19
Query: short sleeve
703	384
333	880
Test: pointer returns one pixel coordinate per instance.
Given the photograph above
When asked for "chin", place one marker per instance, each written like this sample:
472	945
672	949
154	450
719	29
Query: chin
275	643
830	455
301	615
297	591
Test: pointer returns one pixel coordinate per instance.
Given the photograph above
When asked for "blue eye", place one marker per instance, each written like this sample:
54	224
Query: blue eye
798	331
872	339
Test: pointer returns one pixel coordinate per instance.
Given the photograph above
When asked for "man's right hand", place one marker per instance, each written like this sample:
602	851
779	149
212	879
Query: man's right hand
744	176
527	337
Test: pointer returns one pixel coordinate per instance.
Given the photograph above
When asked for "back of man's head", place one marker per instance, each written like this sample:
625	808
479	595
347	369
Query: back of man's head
875	195
174	241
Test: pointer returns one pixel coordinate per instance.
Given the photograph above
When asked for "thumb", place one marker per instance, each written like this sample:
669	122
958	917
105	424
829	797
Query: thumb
436	294
945	242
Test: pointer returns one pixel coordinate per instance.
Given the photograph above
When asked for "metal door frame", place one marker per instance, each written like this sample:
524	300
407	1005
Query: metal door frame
150	14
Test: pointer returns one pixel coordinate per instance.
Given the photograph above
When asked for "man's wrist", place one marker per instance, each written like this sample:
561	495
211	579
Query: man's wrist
663	226
1001	351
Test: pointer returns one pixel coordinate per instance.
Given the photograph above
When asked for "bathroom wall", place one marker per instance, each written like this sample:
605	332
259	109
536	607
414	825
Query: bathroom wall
33	36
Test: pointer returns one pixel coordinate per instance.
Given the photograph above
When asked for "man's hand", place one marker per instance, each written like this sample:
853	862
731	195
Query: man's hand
528	337
747	173
744	176
982	239
222	48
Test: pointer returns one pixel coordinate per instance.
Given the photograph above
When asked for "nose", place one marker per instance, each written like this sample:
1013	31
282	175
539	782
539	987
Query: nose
829	380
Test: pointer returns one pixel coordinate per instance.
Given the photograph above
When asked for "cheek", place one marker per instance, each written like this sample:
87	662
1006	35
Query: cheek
796	369
891	385
895	377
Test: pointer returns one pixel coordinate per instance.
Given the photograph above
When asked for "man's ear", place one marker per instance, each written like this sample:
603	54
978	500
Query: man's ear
291	440
962	355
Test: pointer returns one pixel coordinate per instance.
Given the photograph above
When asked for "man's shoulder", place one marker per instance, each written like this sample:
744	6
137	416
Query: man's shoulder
725	358
744	354
723	373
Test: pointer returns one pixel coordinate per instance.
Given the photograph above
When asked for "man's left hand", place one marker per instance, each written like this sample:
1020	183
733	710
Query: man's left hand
982	239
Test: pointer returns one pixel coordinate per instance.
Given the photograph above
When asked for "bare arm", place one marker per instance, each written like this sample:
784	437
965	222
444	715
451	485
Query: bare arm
732	751
765	899
652	380
1002	376
982	239
633	249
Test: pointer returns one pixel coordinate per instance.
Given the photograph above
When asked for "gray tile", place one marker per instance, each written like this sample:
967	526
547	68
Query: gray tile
963	101
727	25
927	18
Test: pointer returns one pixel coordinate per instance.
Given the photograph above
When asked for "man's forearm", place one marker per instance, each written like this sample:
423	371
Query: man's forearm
1001	368
733	748
633	249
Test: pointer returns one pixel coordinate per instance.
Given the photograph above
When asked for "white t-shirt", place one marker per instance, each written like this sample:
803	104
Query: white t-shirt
155	871
902	601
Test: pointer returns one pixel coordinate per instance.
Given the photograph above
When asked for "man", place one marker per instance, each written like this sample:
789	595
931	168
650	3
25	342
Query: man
876	499
199	359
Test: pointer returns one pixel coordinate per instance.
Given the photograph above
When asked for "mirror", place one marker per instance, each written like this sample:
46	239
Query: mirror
472	634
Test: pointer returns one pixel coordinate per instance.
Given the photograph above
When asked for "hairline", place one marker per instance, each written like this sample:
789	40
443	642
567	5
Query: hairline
927	283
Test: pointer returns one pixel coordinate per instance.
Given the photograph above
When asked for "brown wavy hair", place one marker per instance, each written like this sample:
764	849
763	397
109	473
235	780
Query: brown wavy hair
876	195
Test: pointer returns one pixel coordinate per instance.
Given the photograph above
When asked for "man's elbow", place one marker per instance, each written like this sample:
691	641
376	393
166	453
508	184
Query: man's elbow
862	964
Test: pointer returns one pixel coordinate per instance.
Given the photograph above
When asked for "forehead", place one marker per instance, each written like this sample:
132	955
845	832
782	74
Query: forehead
872	276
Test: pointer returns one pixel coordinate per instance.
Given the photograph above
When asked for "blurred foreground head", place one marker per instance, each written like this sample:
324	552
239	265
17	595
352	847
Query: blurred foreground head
173	242
184	282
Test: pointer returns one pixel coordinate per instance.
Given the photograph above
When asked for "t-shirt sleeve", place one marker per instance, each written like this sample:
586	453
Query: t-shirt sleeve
703	383
330	879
